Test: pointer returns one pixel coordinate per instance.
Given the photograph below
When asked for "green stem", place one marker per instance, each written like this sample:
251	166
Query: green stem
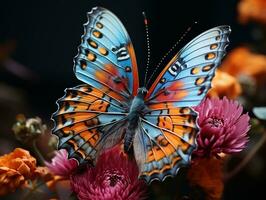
249	156
38	153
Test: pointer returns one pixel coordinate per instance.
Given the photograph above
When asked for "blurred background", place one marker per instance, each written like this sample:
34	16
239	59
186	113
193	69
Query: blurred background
38	40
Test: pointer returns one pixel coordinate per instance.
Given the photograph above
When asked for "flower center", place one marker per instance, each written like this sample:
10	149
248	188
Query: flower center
216	122
113	179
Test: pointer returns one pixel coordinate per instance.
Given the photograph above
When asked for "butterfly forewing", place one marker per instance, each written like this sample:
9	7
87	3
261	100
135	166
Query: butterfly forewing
187	78
106	57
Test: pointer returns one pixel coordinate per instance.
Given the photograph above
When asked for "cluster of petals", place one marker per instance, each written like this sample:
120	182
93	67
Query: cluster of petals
15	168
115	176
61	165
223	127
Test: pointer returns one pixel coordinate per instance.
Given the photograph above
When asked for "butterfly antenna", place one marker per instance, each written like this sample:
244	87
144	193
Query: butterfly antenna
170	50
148	47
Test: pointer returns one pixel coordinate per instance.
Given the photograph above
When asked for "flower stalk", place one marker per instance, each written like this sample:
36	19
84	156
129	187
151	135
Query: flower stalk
39	155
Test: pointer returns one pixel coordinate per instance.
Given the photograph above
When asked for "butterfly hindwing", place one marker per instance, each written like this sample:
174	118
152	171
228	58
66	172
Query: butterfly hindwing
167	138
187	78
85	120
106	56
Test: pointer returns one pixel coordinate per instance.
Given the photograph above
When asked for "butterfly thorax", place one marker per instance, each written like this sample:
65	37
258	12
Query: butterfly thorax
137	104
137	109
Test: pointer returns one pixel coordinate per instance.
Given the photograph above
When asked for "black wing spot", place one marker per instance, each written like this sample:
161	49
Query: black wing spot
66	106
128	69
207	68
89	89
210	56
64	120
162	80
97	34
213	46
92	43
117	80
201	90
74	94
99	25
83	64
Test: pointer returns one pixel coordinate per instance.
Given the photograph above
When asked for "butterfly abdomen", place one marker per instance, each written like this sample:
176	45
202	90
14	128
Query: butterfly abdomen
133	119
128	140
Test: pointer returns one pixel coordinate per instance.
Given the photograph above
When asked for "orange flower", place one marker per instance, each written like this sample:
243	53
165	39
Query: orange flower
206	173
241	61
57	180
224	84
48	177
15	168
252	10
10	179
43	173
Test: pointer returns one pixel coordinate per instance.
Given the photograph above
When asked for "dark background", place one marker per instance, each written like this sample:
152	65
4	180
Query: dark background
48	32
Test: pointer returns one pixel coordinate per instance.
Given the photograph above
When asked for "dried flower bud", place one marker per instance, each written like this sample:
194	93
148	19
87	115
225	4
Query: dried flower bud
28	129
53	141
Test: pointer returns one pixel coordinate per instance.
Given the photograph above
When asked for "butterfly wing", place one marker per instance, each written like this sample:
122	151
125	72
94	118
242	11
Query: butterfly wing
106	57
187	78
167	138
92	117
86	119
168	130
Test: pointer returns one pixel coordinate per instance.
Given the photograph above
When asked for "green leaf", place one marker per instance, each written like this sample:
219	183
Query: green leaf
260	112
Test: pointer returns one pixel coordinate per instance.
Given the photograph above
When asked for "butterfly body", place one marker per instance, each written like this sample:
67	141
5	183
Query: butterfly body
137	110
158	124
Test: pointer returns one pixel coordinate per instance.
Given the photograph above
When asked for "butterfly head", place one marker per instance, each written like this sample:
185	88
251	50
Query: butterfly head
142	92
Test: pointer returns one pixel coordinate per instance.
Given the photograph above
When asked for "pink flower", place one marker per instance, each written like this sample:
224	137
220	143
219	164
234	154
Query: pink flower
223	127
61	165
115	176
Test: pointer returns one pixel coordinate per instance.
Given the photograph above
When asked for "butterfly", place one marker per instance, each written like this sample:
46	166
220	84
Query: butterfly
158	125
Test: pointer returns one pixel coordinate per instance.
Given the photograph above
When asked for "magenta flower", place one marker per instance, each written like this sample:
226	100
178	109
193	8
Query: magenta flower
61	165
115	176
223	127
